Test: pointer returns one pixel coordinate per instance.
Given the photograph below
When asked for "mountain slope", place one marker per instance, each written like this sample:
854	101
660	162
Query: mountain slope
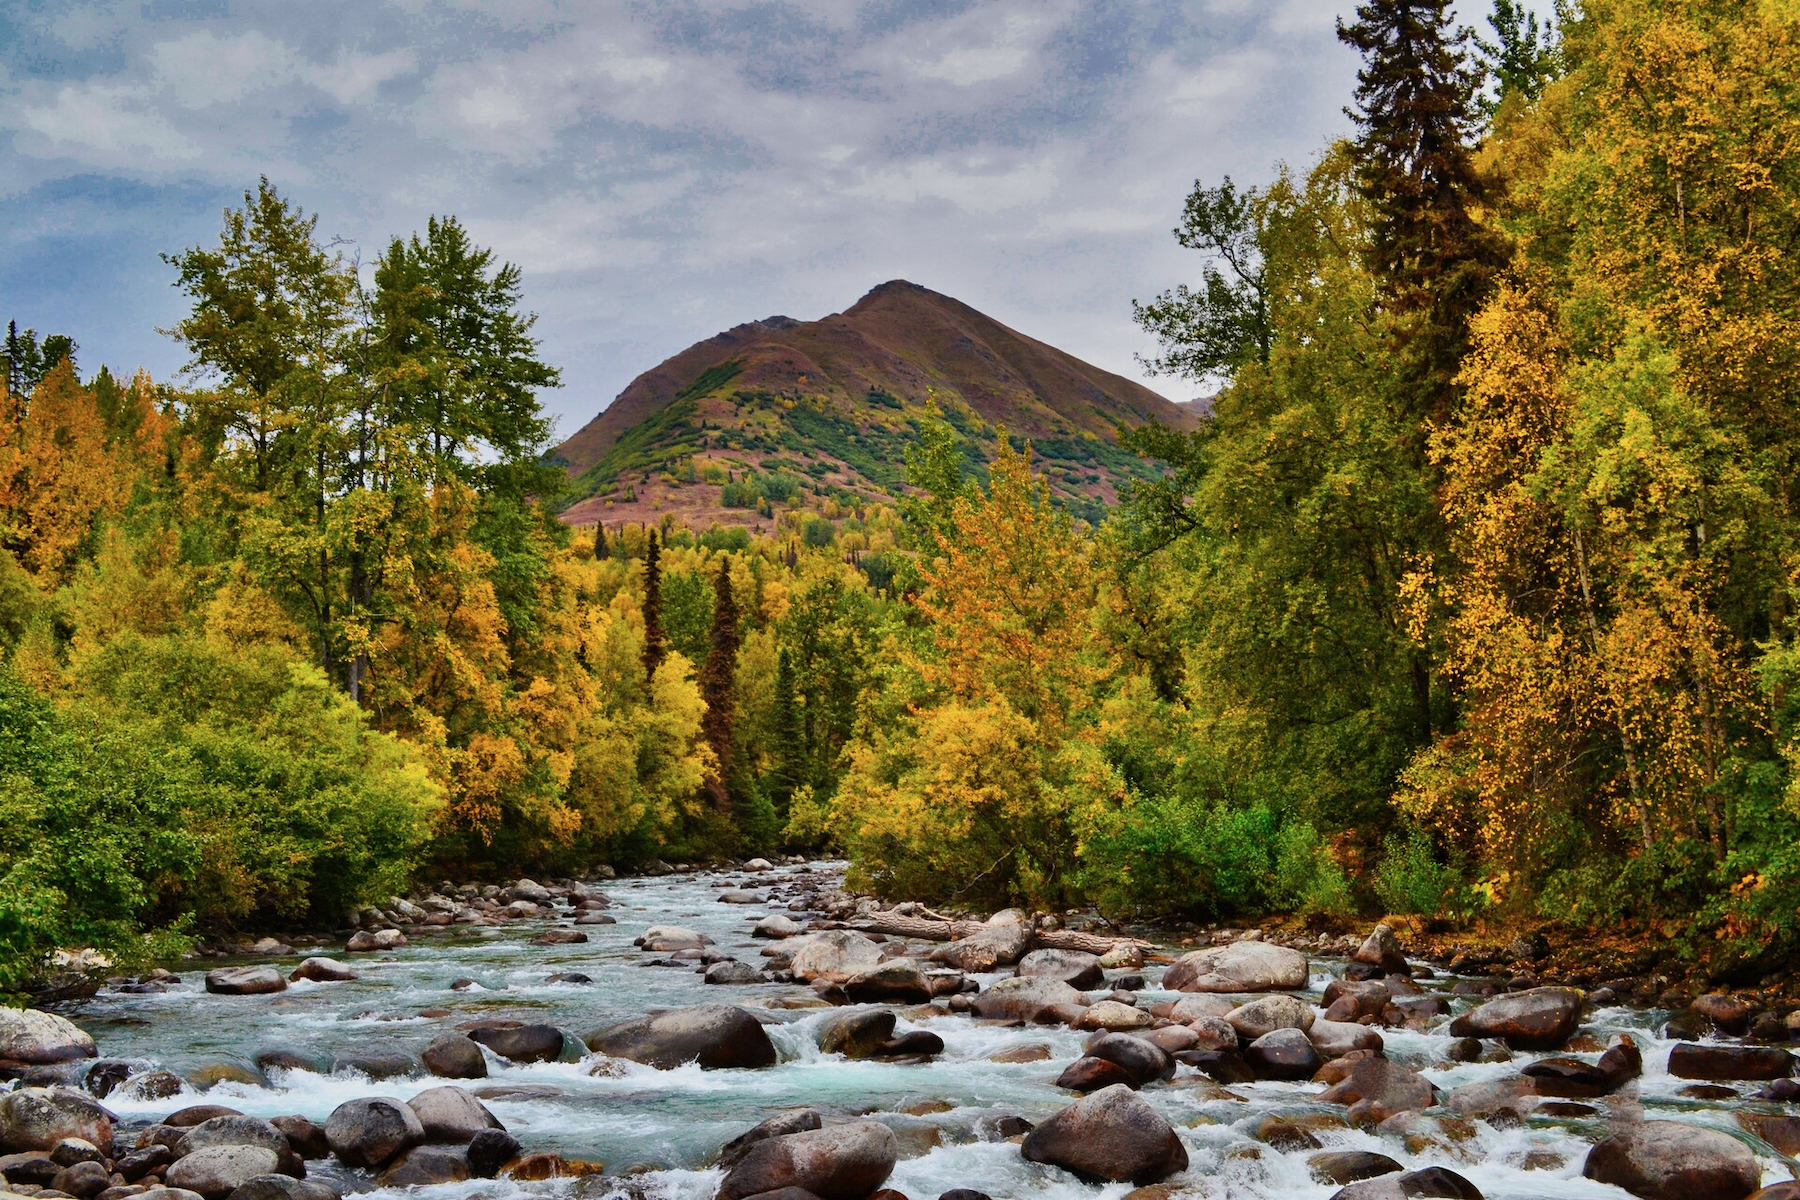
780	412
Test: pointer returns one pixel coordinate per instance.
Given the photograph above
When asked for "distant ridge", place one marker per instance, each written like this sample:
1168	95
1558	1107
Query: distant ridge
836	400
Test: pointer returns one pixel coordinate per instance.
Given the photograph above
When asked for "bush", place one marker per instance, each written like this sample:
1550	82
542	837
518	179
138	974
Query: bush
818	532
1410	879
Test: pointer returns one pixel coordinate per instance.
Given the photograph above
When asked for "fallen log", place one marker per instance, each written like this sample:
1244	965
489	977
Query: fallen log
926	930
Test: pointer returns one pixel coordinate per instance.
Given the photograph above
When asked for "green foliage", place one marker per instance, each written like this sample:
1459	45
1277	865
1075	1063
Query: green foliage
818	533
687	612
1225	323
1410	879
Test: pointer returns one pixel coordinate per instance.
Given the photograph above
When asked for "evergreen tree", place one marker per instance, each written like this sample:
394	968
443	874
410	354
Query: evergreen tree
1521	59
790	735
717	680
24	360
655	641
601	549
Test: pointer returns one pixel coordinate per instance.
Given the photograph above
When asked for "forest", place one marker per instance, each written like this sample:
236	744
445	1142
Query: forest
1471	599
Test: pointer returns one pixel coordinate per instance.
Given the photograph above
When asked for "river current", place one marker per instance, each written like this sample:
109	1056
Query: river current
943	1110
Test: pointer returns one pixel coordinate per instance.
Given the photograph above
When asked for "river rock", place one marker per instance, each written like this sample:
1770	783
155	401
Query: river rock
370	940
1728	1014
282	1187
732	972
1334	1039
1170	1039
1079	970
83	1179
305	1138
1146	1061
559	937
1111	1136
198	1114
714	1035
1269	1013
896	981
833	956
1114	1015
450	1114
859	1034
1538	1019
661	939
987	949
245	981
1090	1074
1282	1054
1023	999
1351	1000
732	1153
70	1151
840	1162
740	896
168	1193
1238	967
523	1043
239	1131
1381	950
375	1064
217	1171
454	1056
776	926
1214	1033
322	970
490	1150
1350	1166
34	1037
1668	1160
38	1118
1688	1061
372	1131
423	1166
1374	1088
1440	1182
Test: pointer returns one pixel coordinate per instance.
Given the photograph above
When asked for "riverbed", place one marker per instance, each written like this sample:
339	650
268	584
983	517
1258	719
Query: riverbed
664	1125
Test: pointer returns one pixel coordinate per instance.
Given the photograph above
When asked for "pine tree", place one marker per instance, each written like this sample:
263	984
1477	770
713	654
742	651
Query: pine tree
601	549
655	641
790	735
717	679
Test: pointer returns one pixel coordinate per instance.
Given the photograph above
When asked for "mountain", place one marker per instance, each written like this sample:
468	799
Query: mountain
777	412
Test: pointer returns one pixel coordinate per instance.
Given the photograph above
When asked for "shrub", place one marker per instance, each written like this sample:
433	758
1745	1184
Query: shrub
1410	879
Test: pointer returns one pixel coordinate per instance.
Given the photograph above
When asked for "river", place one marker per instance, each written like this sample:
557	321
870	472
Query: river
942	1110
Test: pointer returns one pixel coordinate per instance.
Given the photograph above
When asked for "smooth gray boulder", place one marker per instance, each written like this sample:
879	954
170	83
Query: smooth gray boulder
245	981
1238	967
1022	999
716	1036
840	1162
450	1114
1079	970
217	1171
454	1056
1266	1014
994	946
372	1131
283	1187
239	1131
834	956
36	1038
1112	1136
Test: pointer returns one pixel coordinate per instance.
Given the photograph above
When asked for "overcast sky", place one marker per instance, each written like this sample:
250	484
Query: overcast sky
660	170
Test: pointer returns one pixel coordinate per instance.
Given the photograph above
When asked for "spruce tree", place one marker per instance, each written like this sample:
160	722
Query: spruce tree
655	641
789	767
601	549
717	679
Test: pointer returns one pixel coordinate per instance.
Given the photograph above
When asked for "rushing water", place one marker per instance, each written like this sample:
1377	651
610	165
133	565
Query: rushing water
942	1110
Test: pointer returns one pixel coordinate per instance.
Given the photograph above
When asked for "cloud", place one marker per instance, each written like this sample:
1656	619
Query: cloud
663	169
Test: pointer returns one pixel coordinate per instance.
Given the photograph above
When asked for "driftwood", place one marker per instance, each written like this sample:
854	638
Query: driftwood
945	930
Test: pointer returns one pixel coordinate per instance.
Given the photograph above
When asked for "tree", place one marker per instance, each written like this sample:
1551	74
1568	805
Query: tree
601	549
789	751
1522	58
655	641
24	360
1225	324
717	677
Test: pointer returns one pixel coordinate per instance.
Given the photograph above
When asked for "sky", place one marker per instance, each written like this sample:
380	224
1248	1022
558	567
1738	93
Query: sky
661	170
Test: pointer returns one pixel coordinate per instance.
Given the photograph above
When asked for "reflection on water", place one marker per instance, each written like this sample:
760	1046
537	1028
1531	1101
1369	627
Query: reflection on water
675	1119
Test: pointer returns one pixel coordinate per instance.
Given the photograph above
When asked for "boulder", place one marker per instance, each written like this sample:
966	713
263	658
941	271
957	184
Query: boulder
1145	1061
858	1034
1171	1039
1269	1013
369	941
896	981
322	970
1728	1014
372	1131
1375	1089
306	1139
245	981
833	956
1381	949
167	1193
38	1118
732	1153
732	972
1438	1182
1350	1166
987	949
840	1162
1688	1061
217	1171
1114	1015
70	1151
661	939
153	1085
85	1180
559	937
1080	971
776	926
521	1043
490	1150
1112	1136
239	1131
375	1064
1537	1019
1282	1054
282	1187
1238	967
1023	999
450	1114
1090	1074
740	896
1334	1039
1668	1160
36	1038
1351	1000
423	1166
454	1056
195	1114
1189	1009
713	1035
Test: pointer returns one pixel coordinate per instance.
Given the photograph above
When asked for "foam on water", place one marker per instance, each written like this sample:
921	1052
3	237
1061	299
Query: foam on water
677	1119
